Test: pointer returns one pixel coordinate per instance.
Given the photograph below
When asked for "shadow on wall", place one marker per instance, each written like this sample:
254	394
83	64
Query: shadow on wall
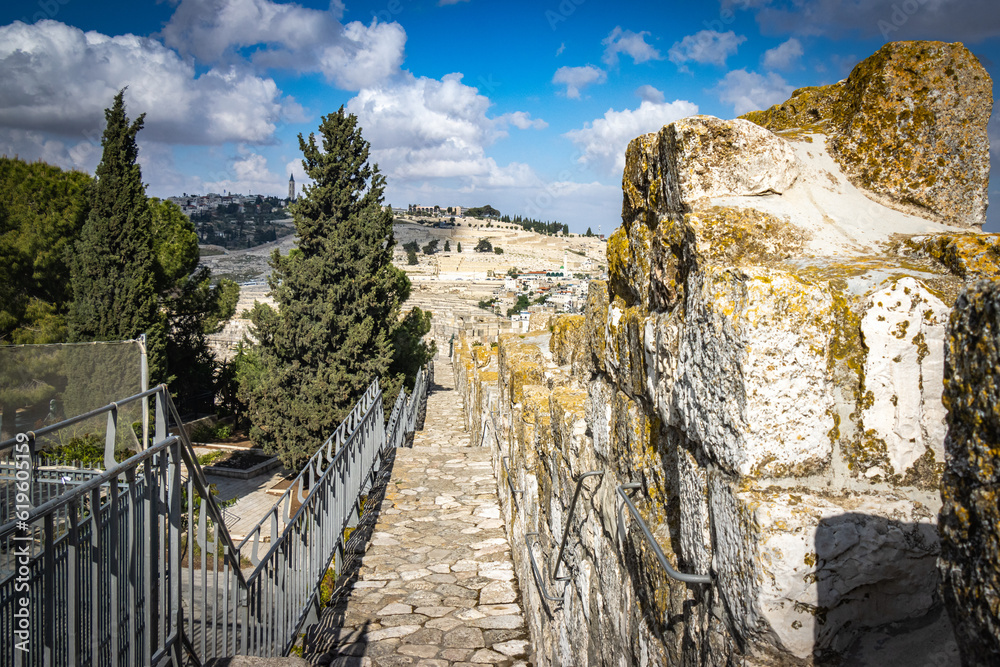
878	594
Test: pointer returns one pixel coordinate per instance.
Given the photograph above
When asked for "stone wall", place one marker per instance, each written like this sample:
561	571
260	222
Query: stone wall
970	518
765	362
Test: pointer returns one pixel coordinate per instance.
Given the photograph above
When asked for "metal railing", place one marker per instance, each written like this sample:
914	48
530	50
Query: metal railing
679	576
569	521
135	566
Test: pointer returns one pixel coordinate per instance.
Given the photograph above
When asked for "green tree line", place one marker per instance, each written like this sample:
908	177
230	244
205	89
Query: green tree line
87	258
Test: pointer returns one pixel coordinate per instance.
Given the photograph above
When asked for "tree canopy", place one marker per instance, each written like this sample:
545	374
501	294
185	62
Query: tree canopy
113	266
338	299
42	210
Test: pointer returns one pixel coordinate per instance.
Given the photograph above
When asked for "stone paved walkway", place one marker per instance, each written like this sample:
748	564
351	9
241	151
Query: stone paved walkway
436	586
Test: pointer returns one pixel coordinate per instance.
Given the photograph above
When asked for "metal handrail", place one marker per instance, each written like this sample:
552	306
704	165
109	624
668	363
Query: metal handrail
510	484
569	521
133	513
679	576
535	570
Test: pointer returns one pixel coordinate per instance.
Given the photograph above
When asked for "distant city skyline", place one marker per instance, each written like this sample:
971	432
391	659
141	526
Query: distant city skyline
524	106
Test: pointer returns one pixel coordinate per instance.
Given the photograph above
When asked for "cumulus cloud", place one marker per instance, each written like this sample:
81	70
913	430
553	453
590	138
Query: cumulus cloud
288	36
422	128
648	93
57	78
968	21
577	78
630	43
248	173
748	91
79	155
705	47
522	120
784	56
602	143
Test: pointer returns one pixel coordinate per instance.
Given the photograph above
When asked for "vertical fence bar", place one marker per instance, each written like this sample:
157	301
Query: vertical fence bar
73	647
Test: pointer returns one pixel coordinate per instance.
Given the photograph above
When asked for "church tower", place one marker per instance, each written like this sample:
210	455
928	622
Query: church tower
291	188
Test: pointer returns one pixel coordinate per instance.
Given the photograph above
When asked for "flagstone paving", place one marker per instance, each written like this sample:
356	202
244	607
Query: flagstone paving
436	585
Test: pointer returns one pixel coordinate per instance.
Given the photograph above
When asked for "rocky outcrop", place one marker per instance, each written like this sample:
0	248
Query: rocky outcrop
908	126
763	369
970	517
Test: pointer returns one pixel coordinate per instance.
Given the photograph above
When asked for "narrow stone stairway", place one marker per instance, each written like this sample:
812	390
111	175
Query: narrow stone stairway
436	585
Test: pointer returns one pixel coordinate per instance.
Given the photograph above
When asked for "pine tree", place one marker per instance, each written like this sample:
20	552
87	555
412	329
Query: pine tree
338	295
112	266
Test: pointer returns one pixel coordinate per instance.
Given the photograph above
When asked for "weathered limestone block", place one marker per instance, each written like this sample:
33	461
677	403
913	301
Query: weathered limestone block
568	339
968	256
911	125
908	126
595	330
970	517
705	157
752	386
903	330
807	574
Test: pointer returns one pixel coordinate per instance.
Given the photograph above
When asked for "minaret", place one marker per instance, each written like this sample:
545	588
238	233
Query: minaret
291	188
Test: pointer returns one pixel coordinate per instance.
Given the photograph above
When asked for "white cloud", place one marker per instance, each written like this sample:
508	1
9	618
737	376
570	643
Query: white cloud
422	128
748	91
631	43
248	173
288	36
559	51
784	56
450	2
603	141
30	145
577	78
705	47
57	78
522	120
648	93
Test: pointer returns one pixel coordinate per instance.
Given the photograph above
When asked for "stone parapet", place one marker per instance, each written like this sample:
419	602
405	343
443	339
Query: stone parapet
970	517
764	367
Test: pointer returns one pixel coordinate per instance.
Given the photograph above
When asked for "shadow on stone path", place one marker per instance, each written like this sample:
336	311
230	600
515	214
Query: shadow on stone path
436	586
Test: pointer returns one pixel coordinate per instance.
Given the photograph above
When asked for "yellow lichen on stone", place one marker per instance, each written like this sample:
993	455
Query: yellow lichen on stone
628	263
808	110
968	256
907	130
597	316
567	342
744	236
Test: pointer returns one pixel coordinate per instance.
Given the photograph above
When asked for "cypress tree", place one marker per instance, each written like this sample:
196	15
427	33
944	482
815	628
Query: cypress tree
112	266
338	299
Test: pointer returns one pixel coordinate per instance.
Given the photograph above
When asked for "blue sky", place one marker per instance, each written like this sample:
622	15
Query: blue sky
527	106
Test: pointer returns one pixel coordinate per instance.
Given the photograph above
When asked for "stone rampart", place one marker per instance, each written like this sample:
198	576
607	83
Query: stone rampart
764	369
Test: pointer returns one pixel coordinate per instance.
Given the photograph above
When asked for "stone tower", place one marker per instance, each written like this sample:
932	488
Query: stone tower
291	188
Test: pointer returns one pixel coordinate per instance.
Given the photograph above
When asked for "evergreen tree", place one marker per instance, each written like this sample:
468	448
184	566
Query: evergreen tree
42	210
112	267
339	299
458	247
